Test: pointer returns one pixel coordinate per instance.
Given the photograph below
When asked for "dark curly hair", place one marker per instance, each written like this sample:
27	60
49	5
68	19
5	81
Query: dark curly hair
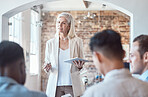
10	52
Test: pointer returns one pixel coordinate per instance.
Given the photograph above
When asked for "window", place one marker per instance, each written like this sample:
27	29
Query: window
34	43
15	28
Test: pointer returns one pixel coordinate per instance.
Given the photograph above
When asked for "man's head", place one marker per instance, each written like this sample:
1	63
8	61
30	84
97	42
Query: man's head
106	47
139	54
12	61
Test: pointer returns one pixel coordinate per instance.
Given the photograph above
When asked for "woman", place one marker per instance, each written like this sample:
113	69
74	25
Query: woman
64	77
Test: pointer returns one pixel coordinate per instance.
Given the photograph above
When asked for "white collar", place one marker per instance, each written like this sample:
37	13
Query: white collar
116	73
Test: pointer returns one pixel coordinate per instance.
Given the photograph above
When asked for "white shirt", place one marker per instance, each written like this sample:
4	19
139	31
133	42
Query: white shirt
64	77
118	83
144	76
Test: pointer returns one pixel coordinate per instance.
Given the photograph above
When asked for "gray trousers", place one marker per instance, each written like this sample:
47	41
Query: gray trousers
62	90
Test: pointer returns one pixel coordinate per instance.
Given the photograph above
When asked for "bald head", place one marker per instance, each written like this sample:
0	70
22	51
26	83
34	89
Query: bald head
12	61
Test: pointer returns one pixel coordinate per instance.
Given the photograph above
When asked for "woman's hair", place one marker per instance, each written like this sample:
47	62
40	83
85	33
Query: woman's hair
70	21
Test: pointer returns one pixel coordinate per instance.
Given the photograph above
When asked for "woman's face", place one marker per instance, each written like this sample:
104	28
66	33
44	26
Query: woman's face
62	25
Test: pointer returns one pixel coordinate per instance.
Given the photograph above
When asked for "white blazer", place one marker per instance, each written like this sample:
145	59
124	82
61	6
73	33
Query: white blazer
51	56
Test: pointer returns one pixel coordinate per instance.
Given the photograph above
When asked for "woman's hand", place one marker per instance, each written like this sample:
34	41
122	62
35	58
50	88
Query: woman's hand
47	67
79	64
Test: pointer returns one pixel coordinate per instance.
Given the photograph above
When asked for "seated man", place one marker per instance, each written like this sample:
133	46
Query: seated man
108	58
12	72
139	57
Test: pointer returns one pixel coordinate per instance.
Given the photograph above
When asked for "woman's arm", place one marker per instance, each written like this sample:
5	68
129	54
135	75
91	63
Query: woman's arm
79	64
47	64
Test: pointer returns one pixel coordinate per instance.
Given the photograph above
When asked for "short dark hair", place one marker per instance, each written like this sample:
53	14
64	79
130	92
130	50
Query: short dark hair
10	52
109	42
143	44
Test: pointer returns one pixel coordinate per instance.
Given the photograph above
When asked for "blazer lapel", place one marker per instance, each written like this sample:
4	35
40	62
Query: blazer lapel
71	47
56	50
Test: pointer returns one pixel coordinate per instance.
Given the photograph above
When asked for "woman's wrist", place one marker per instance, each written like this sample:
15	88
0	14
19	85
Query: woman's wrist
80	68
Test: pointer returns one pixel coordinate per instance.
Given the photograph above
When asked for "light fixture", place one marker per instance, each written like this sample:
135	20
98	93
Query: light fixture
90	16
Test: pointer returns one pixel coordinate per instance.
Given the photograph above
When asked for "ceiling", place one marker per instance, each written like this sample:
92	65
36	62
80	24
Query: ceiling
62	5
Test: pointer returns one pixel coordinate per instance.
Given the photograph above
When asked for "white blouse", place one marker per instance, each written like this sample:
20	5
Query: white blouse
64	77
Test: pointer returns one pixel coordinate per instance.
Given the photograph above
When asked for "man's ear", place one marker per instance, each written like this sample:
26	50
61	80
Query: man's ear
23	74
145	57
124	54
98	56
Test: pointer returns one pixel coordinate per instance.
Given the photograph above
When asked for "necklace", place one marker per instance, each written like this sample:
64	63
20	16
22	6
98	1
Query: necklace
65	38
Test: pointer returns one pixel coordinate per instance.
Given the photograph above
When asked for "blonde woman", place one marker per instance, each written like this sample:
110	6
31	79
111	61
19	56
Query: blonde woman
65	45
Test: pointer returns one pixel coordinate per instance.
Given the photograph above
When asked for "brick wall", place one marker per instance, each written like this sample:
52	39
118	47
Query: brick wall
85	28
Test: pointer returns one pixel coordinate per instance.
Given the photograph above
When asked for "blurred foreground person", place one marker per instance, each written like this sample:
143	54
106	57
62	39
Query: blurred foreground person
108	57
12	72
139	57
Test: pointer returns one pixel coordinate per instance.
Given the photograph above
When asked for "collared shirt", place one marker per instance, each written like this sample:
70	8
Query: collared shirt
144	76
10	88
118	83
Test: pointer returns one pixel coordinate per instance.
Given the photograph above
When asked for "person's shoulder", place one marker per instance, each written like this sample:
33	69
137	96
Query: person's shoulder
94	87
144	83
77	39
24	91
17	87
51	40
29	93
139	86
37	94
17	90
93	90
